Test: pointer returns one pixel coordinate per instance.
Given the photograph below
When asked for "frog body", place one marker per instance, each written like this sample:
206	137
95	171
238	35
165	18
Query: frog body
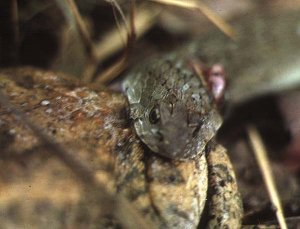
170	193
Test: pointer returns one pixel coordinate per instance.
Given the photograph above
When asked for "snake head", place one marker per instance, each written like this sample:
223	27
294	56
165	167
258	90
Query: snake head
173	112
174	131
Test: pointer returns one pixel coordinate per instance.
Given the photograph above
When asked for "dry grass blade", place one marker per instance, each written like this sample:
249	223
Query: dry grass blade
111	72
71	7
264	164
117	7
121	64
132	20
115	204
144	18
213	17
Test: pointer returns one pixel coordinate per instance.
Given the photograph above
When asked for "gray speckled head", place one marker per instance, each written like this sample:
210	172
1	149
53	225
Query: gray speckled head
173	113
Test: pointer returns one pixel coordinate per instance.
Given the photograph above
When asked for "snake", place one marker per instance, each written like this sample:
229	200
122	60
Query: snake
171	107
173	111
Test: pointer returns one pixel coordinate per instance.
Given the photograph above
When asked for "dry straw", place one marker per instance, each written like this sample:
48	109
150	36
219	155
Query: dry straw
264	165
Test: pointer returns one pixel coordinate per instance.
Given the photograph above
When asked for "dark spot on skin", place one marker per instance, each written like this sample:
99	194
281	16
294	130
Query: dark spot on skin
54	131
172	178
219	220
222	183
222	172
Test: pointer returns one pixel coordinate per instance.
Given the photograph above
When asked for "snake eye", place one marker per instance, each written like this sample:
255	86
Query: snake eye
154	115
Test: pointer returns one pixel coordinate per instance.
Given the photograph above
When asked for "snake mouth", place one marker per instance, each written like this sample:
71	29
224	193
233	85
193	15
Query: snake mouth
179	142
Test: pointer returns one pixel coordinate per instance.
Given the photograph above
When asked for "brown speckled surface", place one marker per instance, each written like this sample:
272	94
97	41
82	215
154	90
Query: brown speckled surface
38	190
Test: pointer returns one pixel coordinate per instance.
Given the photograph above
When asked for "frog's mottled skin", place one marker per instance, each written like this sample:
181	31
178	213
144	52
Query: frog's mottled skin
175	116
40	190
172	111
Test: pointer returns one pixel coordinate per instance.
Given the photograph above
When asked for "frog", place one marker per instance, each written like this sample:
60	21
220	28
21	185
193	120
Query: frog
94	127
176	116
